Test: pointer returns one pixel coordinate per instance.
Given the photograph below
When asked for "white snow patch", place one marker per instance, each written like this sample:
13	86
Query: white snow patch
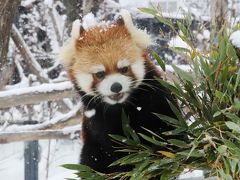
139	108
235	38
49	3
184	67
27	2
197	174
206	34
44	88
90	113
59	118
89	21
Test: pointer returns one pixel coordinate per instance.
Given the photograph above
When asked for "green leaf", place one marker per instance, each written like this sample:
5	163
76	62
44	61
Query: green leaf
168	119
179	115
190	153
175	131
229	144
159	60
127	130
152	140
237	84
149	11
233	126
123	140
182	74
222	149
183	29
178	143
181	50
222	49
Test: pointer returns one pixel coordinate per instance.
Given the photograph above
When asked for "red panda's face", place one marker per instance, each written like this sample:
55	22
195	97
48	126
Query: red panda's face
107	62
109	69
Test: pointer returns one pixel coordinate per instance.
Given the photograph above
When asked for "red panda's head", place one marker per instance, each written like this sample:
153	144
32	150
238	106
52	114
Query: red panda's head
107	61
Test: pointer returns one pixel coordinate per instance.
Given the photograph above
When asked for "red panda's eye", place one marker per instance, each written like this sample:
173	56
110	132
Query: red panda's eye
123	70
100	75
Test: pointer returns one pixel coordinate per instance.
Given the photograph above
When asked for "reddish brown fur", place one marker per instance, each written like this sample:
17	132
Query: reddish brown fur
105	46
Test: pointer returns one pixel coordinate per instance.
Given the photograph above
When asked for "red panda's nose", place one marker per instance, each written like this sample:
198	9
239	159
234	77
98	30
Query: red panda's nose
116	87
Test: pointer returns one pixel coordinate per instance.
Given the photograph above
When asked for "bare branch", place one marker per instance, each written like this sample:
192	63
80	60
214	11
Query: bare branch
33	65
55	25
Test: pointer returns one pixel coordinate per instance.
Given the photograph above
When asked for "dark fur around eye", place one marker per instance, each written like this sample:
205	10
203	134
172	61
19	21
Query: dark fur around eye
123	70
100	75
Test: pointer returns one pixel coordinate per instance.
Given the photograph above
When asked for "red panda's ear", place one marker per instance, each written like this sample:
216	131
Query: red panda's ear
141	38
120	21
77	29
68	51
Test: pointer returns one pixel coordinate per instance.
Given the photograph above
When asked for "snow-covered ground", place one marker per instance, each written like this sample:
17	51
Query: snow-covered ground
61	152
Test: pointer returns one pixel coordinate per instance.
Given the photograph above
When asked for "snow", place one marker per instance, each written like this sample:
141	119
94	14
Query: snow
235	38
89	21
90	113
61	152
27	2
44	88
196	175
49	3
60	118
139	108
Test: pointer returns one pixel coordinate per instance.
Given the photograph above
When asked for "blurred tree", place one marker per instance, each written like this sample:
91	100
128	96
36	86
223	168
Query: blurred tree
7	12
219	12
77	9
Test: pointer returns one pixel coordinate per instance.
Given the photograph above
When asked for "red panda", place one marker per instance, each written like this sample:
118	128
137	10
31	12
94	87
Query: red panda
112	72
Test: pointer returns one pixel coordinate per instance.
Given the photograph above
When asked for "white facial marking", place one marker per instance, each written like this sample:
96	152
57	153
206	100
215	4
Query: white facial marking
138	69
123	63
97	68
84	81
104	87
90	113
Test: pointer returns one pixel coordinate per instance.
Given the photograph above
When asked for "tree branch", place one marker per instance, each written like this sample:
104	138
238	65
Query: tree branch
33	65
36	94
10	137
7	12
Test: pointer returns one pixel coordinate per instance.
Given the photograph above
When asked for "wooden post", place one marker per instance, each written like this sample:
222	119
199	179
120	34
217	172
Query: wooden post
31	151
31	159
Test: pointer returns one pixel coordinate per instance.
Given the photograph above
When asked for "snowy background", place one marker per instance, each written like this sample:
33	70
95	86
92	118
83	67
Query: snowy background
41	28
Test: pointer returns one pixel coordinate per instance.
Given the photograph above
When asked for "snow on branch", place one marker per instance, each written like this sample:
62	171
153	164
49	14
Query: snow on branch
36	94
73	117
9	137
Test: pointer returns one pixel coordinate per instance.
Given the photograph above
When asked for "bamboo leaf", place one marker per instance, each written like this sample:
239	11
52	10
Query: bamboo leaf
178	143
149	11
159	60
167	154
182	74
233	126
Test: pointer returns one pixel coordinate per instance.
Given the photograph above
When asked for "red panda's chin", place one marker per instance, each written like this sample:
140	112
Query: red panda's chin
116	98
